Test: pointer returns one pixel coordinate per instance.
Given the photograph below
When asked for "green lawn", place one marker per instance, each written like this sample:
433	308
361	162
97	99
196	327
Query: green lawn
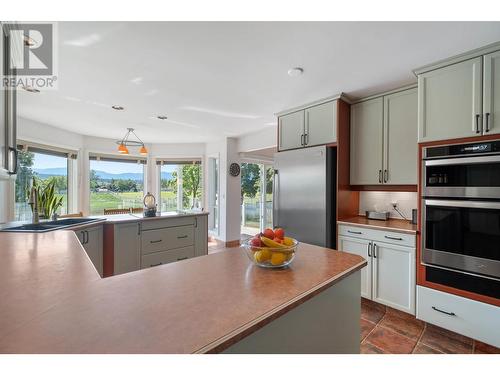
101	200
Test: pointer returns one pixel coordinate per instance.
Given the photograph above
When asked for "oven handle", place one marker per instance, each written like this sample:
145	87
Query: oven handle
462	161
462	203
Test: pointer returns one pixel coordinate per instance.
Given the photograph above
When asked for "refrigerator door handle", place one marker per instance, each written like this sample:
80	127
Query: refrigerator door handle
275	196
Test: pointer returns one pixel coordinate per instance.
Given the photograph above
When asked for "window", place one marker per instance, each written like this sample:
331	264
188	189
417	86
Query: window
115	183
180	184
45	166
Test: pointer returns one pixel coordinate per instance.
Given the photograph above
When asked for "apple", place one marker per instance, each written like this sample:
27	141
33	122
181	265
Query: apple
269	233
256	242
279	232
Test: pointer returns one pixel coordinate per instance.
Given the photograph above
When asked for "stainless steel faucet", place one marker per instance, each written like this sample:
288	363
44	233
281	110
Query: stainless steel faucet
33	202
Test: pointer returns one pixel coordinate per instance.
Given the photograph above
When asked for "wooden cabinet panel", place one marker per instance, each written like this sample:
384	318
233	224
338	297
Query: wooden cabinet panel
400	138
491	94
166	238
450	101
321	124
201	235
127	249
360	247
366	142
165	257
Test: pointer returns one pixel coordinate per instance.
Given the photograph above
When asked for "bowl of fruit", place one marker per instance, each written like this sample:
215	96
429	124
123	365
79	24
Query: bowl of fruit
271	249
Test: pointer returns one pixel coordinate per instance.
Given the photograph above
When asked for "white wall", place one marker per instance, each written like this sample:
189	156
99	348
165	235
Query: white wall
265	138
381	201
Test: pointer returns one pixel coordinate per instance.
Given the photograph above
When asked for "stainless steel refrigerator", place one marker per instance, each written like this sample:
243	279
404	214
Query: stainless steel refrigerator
304	191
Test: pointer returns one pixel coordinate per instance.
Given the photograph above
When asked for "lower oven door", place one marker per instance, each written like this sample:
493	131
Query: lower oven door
462	235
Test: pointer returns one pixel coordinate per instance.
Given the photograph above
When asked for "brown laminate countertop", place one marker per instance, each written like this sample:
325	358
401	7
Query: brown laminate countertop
395	225
53	300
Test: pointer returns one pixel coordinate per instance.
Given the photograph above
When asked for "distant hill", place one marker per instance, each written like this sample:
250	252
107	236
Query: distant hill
44	173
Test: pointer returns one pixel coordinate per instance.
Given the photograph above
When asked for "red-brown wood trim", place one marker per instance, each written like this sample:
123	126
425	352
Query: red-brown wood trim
420	267
347	199
382	187
108	252
234	243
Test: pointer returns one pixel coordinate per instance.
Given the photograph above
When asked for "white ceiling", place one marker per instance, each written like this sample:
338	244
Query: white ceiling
226	79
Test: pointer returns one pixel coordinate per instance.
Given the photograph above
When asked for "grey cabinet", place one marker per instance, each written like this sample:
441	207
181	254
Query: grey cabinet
400	138
360	247
127	247
449	101
384	140
92	241
367	121
491	93
321	124
291	131
316	125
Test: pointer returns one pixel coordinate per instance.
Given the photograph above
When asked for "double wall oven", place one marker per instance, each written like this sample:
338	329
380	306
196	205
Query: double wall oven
461	216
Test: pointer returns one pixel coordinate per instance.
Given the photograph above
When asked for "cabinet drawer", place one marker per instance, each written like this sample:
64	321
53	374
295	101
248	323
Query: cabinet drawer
403	239
164	257
167	222
167	238
470	318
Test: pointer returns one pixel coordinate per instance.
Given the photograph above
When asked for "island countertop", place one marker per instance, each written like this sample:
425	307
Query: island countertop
53	300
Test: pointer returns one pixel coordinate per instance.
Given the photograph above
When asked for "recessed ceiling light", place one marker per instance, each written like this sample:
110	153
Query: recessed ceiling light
294	72
161	117
118	107
30	89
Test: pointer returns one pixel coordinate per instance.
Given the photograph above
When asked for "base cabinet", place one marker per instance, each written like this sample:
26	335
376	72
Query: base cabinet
389	277
127	252
92	241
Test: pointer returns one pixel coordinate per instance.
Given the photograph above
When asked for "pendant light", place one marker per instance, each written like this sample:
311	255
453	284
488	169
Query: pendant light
126	142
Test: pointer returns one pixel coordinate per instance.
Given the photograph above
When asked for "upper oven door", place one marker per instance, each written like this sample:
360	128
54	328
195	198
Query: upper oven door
462	177
462	235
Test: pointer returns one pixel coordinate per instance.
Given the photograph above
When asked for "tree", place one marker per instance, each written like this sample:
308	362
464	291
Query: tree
250	180
25	175
191	177
94	180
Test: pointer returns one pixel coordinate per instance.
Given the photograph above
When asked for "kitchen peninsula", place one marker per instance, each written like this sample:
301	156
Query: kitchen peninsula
53	301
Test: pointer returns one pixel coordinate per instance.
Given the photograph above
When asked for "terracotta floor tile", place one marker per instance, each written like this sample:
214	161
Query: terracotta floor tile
446	341
405	325
482	348
367	348
424	349
366	328
390	341
372	313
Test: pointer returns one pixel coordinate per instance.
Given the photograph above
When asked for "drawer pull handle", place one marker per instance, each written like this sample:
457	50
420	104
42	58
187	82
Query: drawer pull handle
155	241
394	238
154	265
354	232
182	258
444	312
185	236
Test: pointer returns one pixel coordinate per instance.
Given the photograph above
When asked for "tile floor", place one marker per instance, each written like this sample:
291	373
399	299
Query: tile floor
388	331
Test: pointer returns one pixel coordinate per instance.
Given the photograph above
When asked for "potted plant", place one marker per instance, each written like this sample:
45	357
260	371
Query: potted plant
48	201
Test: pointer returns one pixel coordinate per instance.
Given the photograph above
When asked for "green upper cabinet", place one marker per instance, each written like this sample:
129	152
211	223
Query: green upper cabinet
291	131
384	140
312	126
367	121
449	101
400	138
491	93
321	124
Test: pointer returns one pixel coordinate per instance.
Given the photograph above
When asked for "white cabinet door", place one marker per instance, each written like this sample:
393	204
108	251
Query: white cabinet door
321	124
394	276
366	142
491	94
291	130
400	138
201	235
127	248
93	246
360	247
449	101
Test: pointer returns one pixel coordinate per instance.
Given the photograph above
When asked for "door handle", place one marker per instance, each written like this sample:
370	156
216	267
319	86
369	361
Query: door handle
155	241
302	140
83	237
394	238
183	258
354	232
380	176
375	250
370	249
386	175
180	237
15	152
444	312
477	124
157	264
486	125
306	139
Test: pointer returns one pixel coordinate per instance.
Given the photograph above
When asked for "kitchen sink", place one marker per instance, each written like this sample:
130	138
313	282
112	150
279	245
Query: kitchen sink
50	225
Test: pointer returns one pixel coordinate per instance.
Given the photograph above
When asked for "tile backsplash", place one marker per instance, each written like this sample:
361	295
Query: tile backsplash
381	201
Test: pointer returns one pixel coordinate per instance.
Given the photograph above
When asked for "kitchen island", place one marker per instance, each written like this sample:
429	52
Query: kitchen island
53	301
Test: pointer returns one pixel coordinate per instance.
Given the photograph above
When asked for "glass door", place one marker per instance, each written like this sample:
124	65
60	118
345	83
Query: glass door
213	195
